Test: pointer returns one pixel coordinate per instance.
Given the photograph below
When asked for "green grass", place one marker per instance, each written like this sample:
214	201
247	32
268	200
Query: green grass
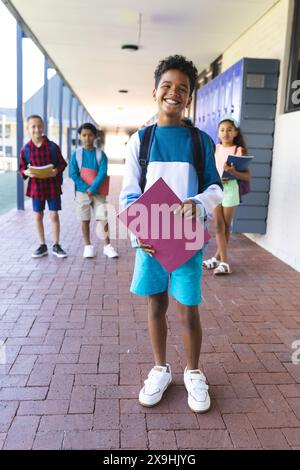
8	191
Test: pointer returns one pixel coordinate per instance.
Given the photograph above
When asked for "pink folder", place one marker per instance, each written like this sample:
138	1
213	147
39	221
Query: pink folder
88	175
174	238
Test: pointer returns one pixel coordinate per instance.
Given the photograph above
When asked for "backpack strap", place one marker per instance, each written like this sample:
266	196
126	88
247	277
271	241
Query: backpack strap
146	136
54	158
53	152
79	154
27	153
198	154
98	155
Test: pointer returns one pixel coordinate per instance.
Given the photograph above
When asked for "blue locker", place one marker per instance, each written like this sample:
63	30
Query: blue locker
228	91
237	82
248	91
214	116
205	107
221	104
209	110
222	85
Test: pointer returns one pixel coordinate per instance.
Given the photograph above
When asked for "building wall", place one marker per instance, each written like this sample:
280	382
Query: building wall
270	38
9	163
11	140
264	40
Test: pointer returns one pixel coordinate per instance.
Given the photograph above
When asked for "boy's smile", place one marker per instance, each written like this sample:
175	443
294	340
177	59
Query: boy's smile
172	96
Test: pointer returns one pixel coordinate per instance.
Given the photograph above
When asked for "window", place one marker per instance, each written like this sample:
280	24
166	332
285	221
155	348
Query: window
211	72
9	151
216	66
7	131
293	82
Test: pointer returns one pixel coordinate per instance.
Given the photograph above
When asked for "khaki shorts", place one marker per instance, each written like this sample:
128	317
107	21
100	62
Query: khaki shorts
85	206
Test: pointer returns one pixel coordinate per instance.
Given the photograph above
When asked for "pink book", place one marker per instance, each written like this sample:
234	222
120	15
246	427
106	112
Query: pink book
89	175
151	218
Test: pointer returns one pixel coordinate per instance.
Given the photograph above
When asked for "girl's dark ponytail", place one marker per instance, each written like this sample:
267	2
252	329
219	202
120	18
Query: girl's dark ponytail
239	141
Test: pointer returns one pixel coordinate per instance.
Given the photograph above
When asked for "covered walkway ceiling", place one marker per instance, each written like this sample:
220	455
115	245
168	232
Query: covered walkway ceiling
84	39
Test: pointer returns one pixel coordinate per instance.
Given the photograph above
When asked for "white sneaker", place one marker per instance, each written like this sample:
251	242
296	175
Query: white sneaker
159	378
110	252
88	251
197	388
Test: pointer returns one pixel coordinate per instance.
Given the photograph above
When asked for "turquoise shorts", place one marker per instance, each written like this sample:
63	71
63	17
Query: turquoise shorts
231	196
150	277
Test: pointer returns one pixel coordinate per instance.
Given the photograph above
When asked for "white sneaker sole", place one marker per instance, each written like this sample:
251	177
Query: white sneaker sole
205	410
59	256
111	257
147	405
39	256
200	411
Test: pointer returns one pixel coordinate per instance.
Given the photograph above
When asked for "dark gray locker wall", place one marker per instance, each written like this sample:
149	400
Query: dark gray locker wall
257	120
248	90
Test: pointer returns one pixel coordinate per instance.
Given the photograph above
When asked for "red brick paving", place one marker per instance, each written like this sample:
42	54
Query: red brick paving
77	350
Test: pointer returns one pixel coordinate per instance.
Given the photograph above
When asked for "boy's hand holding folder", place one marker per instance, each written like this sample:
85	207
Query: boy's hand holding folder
165	226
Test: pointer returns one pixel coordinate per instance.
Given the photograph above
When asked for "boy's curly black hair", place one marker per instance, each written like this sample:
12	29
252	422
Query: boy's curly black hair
177	62
88	126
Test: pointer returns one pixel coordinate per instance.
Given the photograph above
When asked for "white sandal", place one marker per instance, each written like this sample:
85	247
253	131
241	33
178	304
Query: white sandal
223	268
211	263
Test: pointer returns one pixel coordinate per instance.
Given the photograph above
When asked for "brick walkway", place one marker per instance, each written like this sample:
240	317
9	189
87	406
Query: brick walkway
77	350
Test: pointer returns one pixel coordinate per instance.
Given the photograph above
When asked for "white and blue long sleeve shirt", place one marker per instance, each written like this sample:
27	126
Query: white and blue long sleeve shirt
171	157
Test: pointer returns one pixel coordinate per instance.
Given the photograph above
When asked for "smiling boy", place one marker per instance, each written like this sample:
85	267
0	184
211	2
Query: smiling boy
171	157
40	151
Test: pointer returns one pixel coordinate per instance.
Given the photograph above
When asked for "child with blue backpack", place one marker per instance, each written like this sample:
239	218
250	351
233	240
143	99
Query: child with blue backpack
184	157
38	152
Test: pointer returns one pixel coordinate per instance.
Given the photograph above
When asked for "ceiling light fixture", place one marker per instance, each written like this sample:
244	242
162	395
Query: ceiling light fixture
135	47
130	47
